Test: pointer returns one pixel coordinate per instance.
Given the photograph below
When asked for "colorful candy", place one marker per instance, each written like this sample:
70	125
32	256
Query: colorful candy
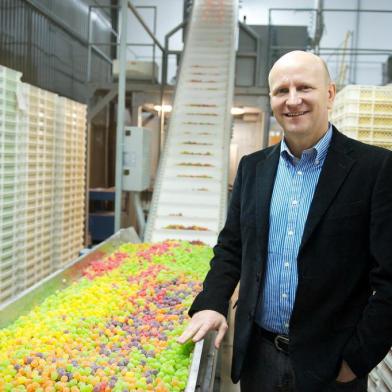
113	330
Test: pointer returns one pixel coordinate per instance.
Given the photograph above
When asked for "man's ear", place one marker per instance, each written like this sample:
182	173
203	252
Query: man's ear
331	94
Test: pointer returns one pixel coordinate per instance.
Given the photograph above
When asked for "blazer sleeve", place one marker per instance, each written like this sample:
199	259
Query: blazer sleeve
373	335
225	266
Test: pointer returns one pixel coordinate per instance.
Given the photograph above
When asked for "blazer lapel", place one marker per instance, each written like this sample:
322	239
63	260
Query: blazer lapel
336	167
265	178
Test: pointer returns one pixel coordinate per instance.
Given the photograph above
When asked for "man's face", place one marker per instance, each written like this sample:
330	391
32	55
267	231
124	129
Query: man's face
301	96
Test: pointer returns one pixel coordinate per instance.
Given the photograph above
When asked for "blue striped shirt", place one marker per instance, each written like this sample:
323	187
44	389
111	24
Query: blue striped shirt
294	187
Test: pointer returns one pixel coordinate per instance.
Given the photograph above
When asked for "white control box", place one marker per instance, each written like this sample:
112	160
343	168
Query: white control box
136	159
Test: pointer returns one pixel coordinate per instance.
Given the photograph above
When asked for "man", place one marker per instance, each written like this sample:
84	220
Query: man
309	237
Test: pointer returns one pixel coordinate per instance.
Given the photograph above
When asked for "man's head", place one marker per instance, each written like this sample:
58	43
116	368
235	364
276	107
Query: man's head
301	93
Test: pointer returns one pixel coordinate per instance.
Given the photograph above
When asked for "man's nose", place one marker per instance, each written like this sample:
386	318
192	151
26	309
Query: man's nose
293	98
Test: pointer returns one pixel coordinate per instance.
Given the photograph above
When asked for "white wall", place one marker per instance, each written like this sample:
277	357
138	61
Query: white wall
374	31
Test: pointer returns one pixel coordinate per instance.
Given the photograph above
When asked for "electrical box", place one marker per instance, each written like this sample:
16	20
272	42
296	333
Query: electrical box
136	159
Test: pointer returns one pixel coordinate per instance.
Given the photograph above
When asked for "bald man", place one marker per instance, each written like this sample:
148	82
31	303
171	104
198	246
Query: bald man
309	237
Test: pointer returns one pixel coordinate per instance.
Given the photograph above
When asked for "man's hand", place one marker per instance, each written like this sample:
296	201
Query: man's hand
203	322
345	373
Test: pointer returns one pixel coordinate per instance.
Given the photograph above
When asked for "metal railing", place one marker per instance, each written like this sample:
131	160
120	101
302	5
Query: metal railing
95	45
324	50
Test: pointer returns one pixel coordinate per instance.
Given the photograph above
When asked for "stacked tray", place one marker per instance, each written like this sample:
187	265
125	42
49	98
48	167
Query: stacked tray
365	113
70	179
12	174
42	182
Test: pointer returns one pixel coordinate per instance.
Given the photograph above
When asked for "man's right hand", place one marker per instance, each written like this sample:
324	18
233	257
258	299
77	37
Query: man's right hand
203	322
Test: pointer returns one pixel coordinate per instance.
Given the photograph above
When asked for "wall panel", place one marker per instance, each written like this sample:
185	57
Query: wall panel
48	56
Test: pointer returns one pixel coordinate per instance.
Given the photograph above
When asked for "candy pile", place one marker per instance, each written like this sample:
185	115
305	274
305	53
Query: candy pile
182	227
115	329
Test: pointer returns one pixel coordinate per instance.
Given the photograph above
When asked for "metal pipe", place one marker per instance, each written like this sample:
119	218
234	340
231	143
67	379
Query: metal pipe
359	49
269	56
319	26
329	10
167	51
120	115
106	147
174	52
141	222
292	9
356	40
355	10
164	79
153	48
89	34
140	19
93	111
103	55
178	27
368	50
117	44
360	54
87	189
105	6
359	61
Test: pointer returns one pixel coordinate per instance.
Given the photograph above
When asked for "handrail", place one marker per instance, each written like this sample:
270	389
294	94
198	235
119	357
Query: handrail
92	45
143	23
355	10
167	51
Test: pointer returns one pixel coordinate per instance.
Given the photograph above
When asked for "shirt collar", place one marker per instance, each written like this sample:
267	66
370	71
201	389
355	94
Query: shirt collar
317	153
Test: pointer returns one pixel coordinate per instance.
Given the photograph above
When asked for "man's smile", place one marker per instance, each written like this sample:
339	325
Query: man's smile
295	114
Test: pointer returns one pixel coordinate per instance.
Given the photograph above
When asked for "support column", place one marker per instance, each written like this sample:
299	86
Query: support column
120	114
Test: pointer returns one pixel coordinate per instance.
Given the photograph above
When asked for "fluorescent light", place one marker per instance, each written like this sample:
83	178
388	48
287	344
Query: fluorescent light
166	108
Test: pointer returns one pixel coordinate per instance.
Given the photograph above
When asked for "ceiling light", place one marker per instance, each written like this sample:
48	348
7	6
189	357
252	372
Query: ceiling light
237	111
166	108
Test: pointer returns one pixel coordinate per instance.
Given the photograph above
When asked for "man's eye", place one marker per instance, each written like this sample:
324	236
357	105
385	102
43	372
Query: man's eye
304	88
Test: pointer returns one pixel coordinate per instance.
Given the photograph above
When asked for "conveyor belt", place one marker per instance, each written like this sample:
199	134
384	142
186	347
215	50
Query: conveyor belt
190	194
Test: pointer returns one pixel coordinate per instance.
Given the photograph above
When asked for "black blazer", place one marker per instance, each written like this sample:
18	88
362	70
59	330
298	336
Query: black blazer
343	304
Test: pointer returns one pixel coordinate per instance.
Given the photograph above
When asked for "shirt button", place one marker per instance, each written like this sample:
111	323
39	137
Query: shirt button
287	264
299	173
284	295
294	202
290	232
316	161
286	325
